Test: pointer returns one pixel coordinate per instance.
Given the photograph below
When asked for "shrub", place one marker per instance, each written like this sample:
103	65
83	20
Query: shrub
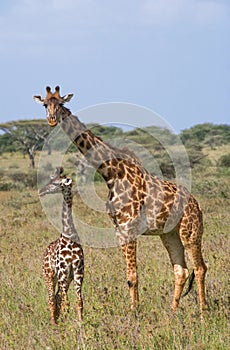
5	186
224	161
13	166
25	179
98	177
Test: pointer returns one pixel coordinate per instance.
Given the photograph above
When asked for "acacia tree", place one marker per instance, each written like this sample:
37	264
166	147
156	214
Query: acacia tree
28	135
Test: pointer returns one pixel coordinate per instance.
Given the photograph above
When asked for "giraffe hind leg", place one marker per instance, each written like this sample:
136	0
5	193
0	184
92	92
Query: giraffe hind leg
78	279
78	276
175	249
192	243
200	268
58	301
64	304
50	282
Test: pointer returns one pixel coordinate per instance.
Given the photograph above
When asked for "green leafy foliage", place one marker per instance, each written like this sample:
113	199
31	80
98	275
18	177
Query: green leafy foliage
7	144
206	134
25	136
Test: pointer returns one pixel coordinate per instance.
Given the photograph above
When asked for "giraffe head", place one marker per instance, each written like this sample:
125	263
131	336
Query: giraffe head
53	103
58	183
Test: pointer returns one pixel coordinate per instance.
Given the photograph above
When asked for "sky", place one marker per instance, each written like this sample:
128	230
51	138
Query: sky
170	56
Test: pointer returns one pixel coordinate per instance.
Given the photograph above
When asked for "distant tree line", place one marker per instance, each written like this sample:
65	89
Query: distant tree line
30	136
206	134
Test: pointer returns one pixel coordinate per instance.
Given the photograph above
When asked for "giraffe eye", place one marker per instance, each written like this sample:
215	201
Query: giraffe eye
45	105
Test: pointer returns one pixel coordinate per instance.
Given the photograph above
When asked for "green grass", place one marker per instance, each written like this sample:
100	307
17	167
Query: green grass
108	322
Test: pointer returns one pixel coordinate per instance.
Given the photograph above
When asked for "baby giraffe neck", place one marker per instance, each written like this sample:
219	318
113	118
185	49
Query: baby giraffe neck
68	228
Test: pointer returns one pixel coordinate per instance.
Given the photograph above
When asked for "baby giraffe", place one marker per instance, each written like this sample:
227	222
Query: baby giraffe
63	261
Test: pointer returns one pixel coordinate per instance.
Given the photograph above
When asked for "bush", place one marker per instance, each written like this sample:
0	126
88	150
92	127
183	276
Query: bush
5	186
13	166
98	177
25	179
224	161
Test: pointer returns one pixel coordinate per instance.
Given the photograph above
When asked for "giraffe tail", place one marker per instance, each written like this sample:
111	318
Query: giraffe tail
190	283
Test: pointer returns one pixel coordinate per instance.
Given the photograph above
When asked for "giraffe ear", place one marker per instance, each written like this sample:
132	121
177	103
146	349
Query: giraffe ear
67	181
67	98
39	99
59	170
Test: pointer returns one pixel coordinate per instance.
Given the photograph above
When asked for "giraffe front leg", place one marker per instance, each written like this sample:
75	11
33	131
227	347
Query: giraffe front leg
129	251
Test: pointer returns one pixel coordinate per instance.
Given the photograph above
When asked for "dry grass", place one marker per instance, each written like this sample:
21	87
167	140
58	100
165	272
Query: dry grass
215	154
108	322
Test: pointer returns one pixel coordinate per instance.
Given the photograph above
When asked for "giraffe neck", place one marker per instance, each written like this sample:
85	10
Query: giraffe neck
68	228
98	153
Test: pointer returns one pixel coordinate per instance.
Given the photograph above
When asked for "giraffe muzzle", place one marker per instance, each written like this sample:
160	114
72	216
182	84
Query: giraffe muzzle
52	122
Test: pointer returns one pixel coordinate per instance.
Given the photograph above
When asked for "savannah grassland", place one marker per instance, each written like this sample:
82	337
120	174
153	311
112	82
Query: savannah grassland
108	322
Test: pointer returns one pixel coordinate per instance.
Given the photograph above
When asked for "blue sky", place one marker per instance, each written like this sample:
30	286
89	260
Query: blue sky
172	56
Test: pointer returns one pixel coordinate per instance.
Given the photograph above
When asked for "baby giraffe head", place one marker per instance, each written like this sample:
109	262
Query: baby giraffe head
58	183
54	105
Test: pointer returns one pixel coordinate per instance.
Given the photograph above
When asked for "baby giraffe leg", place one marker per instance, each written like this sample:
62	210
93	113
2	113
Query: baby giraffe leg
50	282
64	286
175	249
129	251
79	303
78	276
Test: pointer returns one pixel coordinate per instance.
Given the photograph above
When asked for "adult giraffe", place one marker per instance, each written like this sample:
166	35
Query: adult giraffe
138	203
